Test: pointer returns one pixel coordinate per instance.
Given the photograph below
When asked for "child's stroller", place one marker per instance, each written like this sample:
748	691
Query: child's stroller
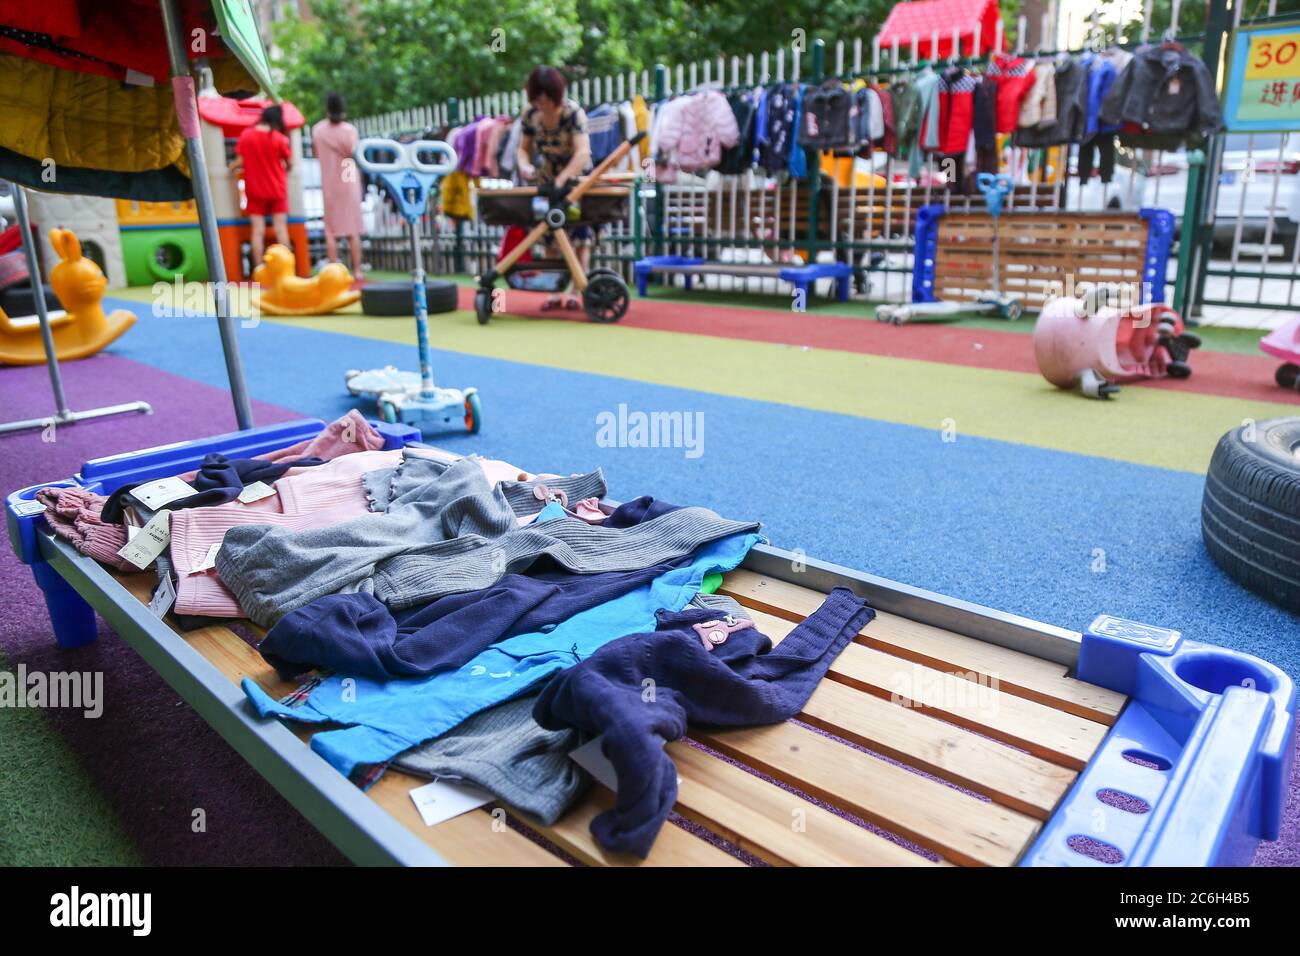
552	211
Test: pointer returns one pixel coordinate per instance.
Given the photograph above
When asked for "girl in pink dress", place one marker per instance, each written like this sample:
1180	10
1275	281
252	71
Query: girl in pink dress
333	139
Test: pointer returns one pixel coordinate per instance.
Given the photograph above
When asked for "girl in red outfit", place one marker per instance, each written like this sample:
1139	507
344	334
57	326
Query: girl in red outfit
264	158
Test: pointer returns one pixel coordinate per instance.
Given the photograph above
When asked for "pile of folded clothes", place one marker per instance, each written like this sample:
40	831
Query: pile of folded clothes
465	620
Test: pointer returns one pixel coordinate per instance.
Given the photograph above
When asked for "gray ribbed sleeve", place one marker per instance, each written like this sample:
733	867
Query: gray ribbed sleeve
504	751
466	563
273	571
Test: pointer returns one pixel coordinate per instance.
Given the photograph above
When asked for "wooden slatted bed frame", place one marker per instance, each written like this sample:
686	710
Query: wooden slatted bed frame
1013	754
953	728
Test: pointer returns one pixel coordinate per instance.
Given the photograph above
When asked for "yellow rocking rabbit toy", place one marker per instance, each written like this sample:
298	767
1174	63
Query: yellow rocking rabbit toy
283	293
84	329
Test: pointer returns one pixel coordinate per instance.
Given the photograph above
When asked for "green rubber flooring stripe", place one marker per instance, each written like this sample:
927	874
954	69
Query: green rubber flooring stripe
51	814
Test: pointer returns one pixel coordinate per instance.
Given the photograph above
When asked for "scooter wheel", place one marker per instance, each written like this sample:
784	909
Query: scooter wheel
483	305
1288	375
388	412
473	413
1178	369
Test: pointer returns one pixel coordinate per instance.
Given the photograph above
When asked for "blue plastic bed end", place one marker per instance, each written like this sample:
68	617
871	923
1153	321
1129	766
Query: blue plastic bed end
1194	771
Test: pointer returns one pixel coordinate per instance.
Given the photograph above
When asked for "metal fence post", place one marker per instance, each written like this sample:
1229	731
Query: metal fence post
812	155
1218	21
660	230
458	249
1183	281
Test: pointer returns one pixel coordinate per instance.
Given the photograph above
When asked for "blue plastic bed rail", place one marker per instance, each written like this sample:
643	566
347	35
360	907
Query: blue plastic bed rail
72	617
1155	257
1194	771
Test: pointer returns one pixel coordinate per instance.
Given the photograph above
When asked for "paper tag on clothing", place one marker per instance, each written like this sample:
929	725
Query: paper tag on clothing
209	560
590	758
256	492
442	800
164	597
1174	86
25	509
154	494
149	542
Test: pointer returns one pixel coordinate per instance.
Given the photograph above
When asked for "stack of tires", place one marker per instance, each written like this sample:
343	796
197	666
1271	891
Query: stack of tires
1250	511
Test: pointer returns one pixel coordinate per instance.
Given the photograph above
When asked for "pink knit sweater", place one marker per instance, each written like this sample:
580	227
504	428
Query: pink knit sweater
305	498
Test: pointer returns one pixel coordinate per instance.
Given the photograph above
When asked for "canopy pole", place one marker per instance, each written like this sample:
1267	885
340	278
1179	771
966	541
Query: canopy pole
62	414
188	117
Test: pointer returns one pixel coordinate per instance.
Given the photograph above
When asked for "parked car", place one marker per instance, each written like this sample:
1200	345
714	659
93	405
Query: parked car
1259	181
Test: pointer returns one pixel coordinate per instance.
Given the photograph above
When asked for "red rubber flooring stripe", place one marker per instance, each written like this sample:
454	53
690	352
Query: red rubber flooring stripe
1213	373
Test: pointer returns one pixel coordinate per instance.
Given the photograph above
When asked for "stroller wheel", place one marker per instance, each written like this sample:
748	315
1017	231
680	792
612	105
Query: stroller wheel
606	298
1288	375
1012	310
483	305
473	413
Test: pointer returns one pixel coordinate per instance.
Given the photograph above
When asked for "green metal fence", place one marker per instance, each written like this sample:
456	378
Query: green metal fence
751	217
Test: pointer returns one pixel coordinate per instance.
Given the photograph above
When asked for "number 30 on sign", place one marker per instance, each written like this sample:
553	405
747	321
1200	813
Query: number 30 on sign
1263	91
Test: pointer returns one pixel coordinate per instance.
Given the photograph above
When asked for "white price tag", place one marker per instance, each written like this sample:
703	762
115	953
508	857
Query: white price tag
442	800
256	492
154	494
149	543
209	561
164	597
27	507
590	758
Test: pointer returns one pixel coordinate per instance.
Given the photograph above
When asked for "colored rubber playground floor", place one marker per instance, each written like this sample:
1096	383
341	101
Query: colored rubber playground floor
931	454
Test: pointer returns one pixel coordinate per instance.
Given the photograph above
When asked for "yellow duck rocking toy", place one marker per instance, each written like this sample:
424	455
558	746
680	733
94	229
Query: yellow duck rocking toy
283	293
83	329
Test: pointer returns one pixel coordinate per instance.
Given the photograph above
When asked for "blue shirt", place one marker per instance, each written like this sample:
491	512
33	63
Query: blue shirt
385	718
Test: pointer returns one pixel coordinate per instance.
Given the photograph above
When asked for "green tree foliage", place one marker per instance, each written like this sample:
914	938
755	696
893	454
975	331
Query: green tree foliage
398	54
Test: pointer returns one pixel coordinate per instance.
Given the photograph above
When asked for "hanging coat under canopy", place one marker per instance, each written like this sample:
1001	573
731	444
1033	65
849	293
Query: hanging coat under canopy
88	100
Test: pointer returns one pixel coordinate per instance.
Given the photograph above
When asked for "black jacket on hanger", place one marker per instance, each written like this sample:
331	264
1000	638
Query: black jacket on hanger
1164	90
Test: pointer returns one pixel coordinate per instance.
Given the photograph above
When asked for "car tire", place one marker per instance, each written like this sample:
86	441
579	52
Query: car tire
1250	509
394	298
